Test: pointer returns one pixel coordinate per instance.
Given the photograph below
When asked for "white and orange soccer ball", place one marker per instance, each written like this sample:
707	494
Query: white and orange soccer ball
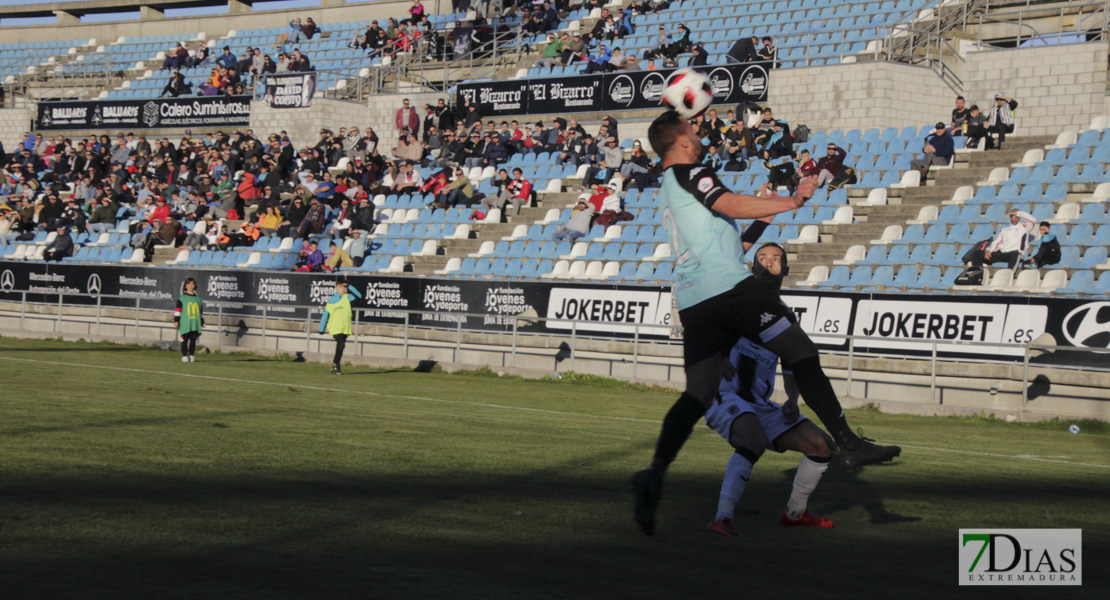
688	92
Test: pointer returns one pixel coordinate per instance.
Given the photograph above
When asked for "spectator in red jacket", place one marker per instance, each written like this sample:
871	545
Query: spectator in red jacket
518	191
407	119
830	165
161	211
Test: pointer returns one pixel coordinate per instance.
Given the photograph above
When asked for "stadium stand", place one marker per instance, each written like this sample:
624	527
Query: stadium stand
887	233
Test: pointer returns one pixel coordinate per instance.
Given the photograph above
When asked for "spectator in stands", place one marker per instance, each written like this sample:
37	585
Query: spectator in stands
652	6
227	59
200	57
416	10
658	47
9	225
496	152
638	161
1001	120
609	211
364	216
599	62
549	17
517	191
176	86
679	44
270	221
830	164
60	248
598	32
1048	252
700	57
553	52
959	118
298	33
609	163
459	191
1008	246
580	150
578	224
337	258
744	50
477	150
408	180
737	143
214	84
779	144
176	58
166	233
939	150
311	258
765	129
768	52
574	50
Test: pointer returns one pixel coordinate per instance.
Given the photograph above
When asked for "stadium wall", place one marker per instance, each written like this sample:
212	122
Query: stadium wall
303	124
1058	87
14	122
859	96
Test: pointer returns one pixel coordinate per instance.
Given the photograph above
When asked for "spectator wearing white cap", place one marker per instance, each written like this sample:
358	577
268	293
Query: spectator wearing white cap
1001	119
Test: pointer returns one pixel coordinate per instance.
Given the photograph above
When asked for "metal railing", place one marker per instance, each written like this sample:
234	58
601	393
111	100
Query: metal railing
648	346
1088	17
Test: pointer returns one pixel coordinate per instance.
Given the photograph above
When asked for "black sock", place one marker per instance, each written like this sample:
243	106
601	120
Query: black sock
818	393
677	426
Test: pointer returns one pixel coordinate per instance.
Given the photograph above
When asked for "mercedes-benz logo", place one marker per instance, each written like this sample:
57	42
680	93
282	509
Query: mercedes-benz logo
7	280
93	285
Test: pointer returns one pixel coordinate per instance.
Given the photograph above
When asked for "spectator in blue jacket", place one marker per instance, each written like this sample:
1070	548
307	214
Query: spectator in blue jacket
61	247
496	151
227	59
939	149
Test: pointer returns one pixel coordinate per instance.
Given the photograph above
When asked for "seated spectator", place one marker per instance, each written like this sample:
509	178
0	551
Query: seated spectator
765	129
310	259
297	32
103	219
358	248
364	217
459	191
939	150
337	258
737	143
638	162
176	58
780	143
496	151
313	221
270	221
517	191
1048	252
1001	120
215	83
408	181
476	151
163	234
650	6
574	50
768	52
700	57
608	163
61	247
598	32
200	57
578	224
830	164
10	226
744	50
176	86
610	210
681	42
600	62
959	118
553	52
1009	245
975	126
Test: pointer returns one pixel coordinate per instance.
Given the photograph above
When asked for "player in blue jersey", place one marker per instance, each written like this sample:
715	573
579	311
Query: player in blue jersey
747	418
719	302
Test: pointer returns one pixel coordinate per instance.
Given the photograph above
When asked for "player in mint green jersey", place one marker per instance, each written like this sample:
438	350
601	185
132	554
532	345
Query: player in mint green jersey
719	302
188	315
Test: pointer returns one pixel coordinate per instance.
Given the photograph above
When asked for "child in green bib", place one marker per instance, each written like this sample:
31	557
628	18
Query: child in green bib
337	320
188	315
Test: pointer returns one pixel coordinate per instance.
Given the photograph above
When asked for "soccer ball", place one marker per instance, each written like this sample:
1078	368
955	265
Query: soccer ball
688	92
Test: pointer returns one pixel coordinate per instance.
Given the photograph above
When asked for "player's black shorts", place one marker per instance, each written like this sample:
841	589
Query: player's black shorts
715	325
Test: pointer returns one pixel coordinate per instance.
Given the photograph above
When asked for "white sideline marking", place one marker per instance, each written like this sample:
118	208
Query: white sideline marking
498	406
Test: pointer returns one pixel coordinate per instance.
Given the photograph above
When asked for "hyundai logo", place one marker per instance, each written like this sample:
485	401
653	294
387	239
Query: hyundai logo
1089	325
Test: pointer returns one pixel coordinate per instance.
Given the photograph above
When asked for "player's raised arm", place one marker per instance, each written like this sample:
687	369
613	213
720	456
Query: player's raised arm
743	206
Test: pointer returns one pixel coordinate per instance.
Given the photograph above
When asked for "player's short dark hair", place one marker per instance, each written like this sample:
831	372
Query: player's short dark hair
959	97
664	130
1046	224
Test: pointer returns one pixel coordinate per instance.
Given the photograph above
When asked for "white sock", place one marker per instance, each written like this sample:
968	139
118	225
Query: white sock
805	481
737	473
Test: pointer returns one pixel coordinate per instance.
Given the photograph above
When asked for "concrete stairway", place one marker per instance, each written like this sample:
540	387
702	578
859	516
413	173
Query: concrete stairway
904	205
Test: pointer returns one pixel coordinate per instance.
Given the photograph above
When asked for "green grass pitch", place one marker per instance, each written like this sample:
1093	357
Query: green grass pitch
125	473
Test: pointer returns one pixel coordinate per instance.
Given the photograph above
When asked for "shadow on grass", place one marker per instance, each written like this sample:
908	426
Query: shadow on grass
205	416
547	533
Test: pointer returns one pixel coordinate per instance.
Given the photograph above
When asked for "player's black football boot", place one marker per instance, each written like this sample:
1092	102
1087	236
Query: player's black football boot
646	488
867	453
